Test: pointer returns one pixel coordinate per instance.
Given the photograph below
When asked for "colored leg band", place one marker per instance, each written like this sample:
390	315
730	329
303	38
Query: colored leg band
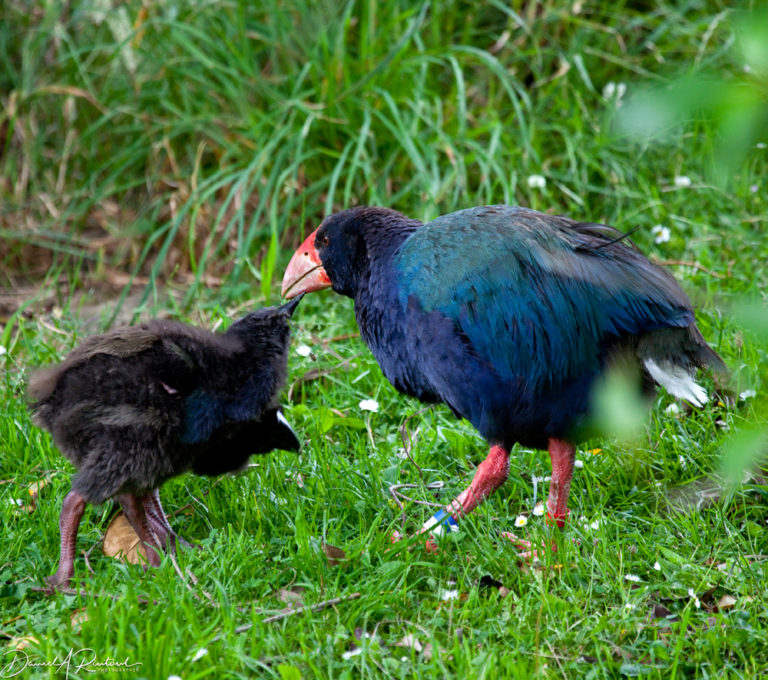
441	522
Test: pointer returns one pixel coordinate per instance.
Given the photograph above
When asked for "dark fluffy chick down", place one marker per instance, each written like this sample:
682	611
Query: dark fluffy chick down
135	406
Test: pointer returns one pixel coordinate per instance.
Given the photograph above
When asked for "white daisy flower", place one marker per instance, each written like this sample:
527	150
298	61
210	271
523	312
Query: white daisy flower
303	350
672	410
369	405
578	463
657	566
537	181
448	595
521	521
632	578
747	394
682	181
595	525
538	509
662	234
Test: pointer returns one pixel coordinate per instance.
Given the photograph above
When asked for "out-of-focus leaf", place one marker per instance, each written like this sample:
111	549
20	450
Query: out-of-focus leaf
753	316
618	406
737	107
288	672
743	451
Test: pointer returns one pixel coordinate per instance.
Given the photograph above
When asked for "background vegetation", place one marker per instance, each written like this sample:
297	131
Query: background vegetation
165	157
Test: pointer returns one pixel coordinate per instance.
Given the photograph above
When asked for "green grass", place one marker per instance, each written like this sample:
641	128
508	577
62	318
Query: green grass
230	134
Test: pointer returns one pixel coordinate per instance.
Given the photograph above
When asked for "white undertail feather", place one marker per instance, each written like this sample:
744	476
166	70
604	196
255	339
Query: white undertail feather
677	381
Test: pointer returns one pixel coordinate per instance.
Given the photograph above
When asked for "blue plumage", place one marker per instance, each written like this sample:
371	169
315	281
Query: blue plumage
505	314
533	311
509	317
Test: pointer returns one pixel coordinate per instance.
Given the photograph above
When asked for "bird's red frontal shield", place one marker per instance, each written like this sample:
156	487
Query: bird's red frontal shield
305	272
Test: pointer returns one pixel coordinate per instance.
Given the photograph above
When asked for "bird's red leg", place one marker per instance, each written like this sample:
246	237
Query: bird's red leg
490	475
71	513
133	507
562	455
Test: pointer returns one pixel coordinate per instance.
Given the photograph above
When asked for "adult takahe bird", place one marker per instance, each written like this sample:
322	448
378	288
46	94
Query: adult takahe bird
138	405
509	316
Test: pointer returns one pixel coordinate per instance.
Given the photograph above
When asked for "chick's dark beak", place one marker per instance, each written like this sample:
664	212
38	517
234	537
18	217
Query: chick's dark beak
305	272
290	307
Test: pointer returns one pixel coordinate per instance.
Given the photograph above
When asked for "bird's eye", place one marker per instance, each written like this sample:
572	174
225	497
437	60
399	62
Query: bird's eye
323	239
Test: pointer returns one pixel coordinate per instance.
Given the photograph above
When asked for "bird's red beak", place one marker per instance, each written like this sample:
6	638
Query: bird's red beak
305	272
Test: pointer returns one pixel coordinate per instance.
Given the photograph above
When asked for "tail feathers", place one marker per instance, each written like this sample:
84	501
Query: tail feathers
671	357
677	380
706	357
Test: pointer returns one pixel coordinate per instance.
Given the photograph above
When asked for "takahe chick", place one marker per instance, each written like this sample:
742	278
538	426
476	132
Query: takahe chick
138	405
509	316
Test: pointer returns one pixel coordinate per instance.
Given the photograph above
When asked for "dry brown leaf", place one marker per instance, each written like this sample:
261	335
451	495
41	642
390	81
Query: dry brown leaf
292	596
35	487
25	509
659	611
34	491
22	642
121	541
335	555
410	642
726	601
78	618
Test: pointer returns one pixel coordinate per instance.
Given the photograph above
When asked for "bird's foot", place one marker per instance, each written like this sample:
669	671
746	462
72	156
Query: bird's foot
61	578
441	523
557	520
430	545
529	551
186	544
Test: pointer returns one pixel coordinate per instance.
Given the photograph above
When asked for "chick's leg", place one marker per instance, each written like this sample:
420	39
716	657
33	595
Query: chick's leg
71	513
159	523
133	507
156	519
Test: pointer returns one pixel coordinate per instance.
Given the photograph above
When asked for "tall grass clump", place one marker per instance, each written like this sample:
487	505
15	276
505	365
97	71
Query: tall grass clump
188	139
